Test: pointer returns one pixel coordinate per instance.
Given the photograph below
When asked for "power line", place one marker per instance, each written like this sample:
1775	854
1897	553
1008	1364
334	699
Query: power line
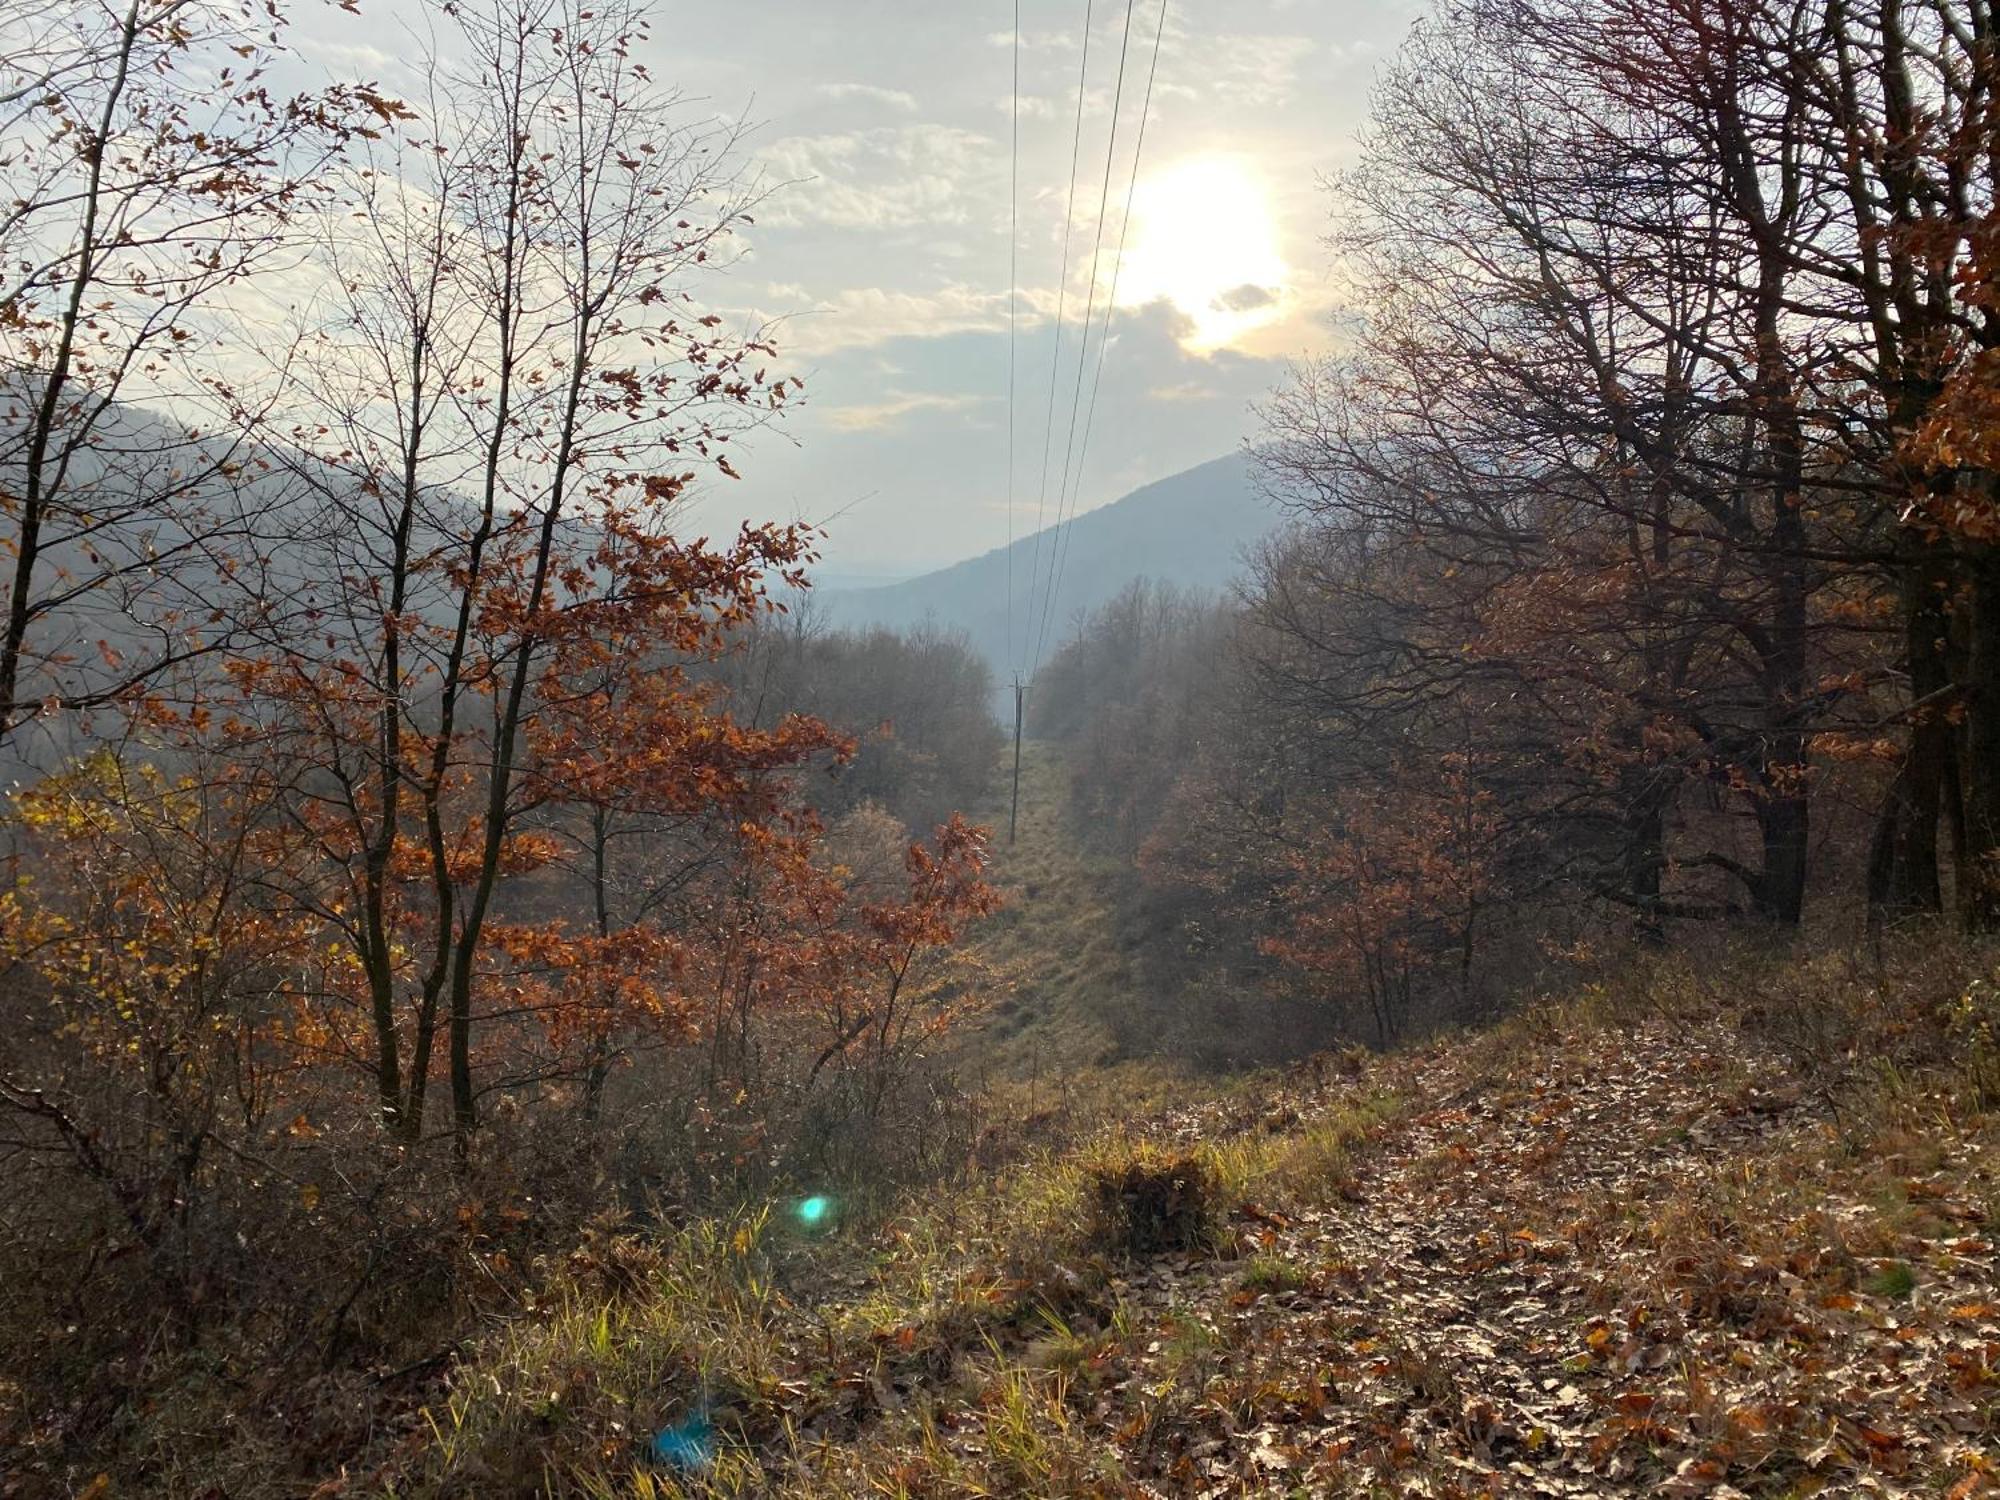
1013	317
1089	311
1104	339
1111	306
1062	289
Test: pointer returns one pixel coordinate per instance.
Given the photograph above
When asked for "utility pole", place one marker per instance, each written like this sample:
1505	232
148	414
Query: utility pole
1014	813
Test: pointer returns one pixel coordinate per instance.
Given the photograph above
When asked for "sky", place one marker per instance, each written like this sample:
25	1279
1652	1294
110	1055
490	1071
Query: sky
883	129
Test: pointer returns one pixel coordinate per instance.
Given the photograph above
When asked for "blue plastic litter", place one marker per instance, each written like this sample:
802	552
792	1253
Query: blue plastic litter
689	1444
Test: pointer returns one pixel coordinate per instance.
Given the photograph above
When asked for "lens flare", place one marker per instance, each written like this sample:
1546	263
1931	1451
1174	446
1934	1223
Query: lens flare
815	1212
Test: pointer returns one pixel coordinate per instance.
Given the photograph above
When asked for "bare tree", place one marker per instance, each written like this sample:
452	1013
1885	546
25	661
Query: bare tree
149	171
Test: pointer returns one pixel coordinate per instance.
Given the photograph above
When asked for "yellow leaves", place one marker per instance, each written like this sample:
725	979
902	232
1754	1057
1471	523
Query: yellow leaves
309	1196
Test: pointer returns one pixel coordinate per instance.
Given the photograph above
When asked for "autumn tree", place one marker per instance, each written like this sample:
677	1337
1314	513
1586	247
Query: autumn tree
1651	299
495	420
150	172
159	1001
1386	883
660	795
1901	99
1561	409
894	997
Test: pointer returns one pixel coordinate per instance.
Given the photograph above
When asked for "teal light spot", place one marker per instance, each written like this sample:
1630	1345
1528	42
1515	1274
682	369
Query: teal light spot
815	1211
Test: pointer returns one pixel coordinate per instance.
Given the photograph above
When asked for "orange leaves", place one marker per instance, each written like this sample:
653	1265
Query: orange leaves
947	889
1382	881
521	853
580	987
1960	434
1857	748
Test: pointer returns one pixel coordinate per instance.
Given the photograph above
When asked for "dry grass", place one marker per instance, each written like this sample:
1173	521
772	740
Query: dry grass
946	1353
1025	1331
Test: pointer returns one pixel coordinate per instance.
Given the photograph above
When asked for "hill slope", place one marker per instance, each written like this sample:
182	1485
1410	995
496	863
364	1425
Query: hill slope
1660	1240
1192	529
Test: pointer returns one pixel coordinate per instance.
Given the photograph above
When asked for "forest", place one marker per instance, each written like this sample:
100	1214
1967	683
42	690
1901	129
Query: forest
502	997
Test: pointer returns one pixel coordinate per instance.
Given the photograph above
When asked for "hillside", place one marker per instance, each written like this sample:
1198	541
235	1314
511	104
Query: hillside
1192	529
520	985
1060	967
1719	1229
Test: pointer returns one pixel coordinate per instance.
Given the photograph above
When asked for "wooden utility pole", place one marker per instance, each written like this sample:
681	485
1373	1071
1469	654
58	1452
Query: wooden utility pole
1014	813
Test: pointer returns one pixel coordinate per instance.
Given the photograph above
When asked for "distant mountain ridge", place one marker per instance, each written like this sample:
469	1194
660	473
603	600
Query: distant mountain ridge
1193	529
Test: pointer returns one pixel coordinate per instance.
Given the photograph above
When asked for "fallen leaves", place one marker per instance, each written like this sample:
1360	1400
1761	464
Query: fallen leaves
1624	1262
1543	1290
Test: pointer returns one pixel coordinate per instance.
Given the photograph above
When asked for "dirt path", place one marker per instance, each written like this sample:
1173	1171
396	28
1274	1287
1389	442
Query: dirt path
1544	1285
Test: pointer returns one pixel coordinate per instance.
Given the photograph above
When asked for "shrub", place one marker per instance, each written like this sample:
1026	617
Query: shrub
1145	1206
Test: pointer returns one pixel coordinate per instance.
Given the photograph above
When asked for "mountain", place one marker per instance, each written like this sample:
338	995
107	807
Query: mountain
1193	529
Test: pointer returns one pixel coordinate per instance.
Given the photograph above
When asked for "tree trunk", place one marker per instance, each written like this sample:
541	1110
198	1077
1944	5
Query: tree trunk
1903	863
1979	770
1646	855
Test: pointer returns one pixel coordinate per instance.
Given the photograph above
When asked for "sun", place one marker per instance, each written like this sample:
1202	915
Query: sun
1204	240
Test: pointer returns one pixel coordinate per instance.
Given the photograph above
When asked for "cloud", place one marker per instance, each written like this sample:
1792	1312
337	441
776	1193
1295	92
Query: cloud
1251	71
887	413
1035	41
1246	298
359	56
869	93
860	317
1033	106
891	177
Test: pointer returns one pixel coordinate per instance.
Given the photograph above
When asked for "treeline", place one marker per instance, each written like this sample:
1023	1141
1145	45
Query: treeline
1643	572
916	703
421	844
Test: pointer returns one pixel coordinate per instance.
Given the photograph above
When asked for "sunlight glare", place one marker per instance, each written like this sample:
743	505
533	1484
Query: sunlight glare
1204	239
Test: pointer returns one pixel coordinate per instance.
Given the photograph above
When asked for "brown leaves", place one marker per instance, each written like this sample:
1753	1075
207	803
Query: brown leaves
385	109
1450	1354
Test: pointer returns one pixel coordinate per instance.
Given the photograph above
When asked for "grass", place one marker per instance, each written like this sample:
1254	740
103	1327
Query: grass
1267	1273
1076	1032
994	1306
1895	1280
1054	948
993	1339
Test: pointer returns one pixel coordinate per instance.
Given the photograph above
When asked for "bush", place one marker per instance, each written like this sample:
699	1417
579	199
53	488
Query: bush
1147	1206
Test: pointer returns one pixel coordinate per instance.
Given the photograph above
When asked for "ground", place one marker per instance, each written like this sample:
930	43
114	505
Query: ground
1649	1245
1524	1290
